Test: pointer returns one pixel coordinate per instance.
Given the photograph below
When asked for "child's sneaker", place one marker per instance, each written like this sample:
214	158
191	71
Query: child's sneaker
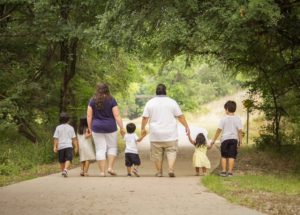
65	173
128	175
223	174
230	174
135	172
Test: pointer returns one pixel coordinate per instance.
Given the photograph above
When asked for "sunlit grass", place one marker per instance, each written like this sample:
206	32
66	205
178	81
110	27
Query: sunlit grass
288	185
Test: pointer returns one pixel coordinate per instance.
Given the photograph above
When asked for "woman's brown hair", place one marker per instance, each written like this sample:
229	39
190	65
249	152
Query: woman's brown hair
102	94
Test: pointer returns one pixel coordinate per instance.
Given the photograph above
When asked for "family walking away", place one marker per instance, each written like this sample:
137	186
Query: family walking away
64	141
162	113
232	134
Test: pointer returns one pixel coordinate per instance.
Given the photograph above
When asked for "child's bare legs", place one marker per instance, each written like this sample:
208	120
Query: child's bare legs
135	170
230	164
197	171
86	166
82	168
224	164
62	166
204	170
129	170
67	165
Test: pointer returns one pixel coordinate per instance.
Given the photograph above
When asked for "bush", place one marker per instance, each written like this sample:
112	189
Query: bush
16	157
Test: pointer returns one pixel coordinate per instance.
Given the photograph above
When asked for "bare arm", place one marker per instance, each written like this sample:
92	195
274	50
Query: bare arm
142	137
87	134
217	134
240	136
191	140
75	144
117	116
55	145
182	120
143	126
89	116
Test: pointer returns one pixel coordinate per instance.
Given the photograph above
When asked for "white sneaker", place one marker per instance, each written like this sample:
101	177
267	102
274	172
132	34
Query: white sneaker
65	173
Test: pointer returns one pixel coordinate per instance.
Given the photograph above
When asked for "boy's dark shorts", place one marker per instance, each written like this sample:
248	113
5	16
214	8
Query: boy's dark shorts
132	159
229	148
65	155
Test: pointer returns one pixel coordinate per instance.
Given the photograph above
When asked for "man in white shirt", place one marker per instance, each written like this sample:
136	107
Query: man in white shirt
162	113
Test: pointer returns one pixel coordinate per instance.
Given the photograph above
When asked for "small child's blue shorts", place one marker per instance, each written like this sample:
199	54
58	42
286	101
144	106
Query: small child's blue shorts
132	159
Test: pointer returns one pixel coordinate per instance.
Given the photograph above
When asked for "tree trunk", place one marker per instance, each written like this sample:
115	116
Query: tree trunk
25	129
276	121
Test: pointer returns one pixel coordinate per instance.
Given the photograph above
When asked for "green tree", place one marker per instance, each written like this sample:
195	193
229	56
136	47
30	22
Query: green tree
256	38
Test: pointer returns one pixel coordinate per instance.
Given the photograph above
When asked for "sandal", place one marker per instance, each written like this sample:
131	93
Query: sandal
85	174
111	172
81	173
171	174
159	174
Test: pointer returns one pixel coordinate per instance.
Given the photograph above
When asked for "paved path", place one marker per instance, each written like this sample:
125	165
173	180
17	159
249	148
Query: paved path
120	195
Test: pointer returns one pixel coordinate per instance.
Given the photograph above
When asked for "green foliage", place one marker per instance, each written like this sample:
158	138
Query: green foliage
259	39
16	157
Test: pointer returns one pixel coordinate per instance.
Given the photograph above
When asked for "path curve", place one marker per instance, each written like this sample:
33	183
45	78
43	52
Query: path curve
146	195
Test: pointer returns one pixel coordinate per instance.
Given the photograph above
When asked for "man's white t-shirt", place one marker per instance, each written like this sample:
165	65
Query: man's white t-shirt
130	140
230	124
162	112
64	133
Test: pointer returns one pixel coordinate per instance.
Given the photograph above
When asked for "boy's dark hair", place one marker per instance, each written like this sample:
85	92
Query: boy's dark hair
63	118
130	128
230	106
200	140
161	89
82	125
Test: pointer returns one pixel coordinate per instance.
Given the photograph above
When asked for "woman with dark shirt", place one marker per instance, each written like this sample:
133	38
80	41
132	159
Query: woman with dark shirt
103	115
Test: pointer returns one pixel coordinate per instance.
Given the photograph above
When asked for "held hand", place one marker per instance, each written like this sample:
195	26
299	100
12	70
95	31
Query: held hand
187	130
143	132
76	150
122	132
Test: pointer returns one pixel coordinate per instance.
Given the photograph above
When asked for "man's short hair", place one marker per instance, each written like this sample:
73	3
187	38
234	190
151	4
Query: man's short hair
230	106
161	89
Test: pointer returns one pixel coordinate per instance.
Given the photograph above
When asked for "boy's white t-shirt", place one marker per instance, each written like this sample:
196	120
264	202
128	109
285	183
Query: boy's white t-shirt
162	112
230	124
64	133
130	140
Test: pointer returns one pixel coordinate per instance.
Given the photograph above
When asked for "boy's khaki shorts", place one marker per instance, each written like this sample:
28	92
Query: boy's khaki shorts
158	149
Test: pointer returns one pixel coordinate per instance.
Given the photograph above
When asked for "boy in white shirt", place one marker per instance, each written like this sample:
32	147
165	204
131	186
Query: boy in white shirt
231	128
64	141
132	159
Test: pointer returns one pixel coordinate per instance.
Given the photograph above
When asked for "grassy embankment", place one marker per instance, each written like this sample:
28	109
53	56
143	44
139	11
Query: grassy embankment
268	181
